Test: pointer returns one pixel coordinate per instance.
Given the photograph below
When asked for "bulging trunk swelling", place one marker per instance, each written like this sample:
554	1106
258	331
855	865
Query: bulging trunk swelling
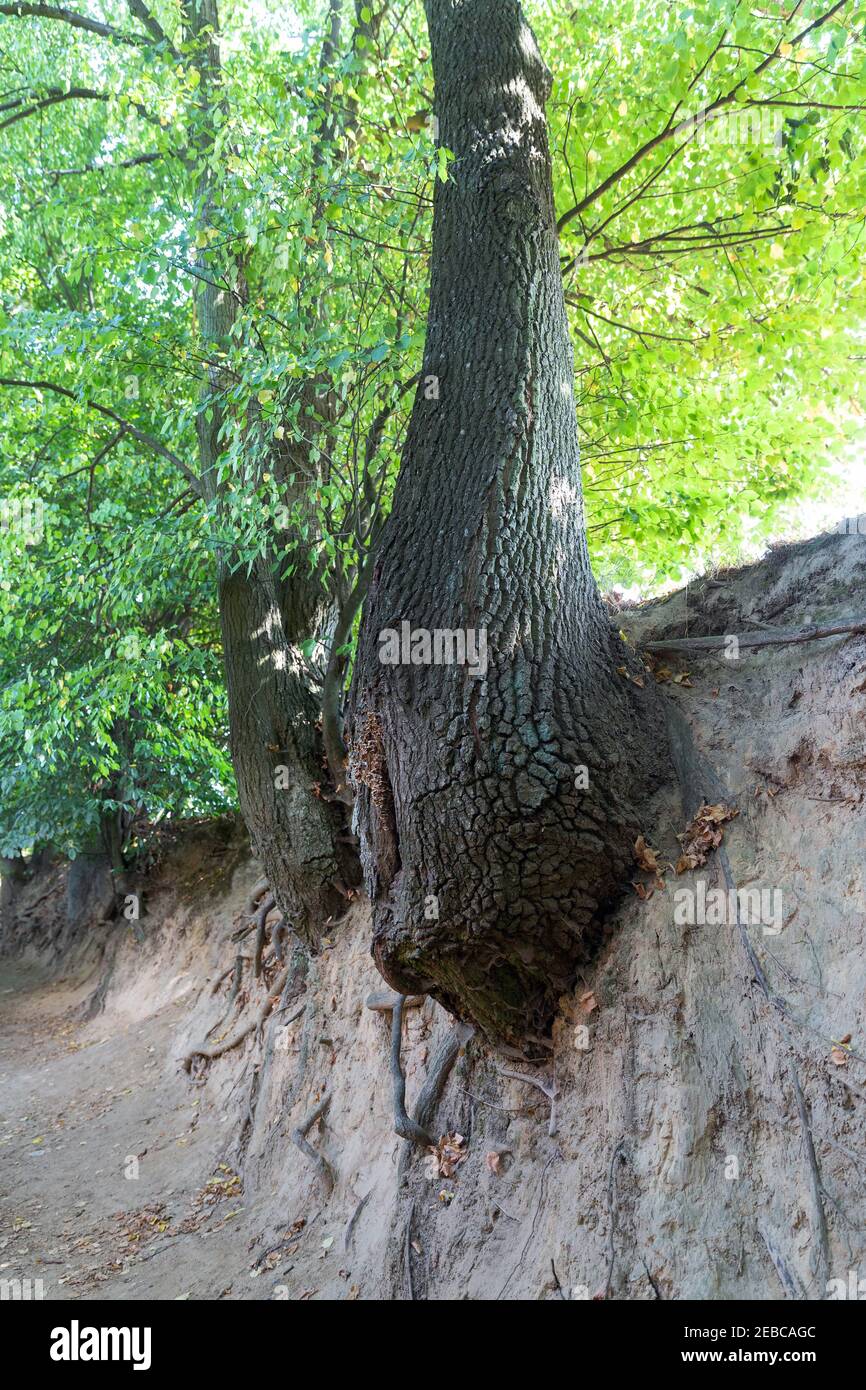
276	748
497	811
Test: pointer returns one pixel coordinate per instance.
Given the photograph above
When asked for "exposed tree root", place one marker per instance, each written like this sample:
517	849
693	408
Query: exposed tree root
434	1084
786	1278
211	1053
547	1088
383	1001
353	1219
755	639
261	887
416	1131
96	1002
252	910
542	1194
280	939
403	1125
259	1080
323	1168
238	969
612	1207
265	906
407	1247
439	1071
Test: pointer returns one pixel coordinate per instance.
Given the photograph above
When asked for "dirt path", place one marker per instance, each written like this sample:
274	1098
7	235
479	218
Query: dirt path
110	1177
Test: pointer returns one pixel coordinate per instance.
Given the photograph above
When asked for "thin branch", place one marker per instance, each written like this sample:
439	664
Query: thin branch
131	163
672	129
142	436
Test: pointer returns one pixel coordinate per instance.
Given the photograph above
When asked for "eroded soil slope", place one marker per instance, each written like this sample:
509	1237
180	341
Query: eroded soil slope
709	1122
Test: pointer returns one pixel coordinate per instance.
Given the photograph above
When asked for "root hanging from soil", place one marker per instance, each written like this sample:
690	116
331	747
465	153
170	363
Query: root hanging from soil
265	906
768	638
431	1092
210	1054
417	1130
237	976
404	1126
383	1001
548	1088
325	1172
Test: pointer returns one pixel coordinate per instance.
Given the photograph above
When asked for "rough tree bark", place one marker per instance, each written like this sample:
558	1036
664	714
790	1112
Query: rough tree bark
13	874
276	743
470	795
278	757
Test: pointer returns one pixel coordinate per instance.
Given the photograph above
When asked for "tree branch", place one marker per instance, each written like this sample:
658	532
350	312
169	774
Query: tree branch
78	21
141	12
52	97
132	430
672	129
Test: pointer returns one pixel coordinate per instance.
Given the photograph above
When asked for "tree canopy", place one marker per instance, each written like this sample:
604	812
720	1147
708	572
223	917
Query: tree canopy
215	235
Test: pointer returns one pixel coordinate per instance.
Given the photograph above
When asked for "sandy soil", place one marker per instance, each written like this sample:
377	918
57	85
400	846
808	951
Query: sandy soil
111	1184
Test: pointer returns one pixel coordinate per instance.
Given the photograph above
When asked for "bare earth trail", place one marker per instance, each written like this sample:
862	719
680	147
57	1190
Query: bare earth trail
78	1100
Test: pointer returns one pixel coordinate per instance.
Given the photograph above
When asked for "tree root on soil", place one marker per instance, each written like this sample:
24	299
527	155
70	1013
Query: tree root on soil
403	1125
325	1172
211	1053
383	1001
756	639
238	969
547	1088
416	1131
265	906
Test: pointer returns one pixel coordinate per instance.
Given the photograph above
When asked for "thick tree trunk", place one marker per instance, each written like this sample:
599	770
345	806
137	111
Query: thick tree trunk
278	757
472	803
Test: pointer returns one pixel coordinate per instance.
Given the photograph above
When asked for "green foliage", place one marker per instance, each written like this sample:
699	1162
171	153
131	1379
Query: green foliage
111	695
233	260
716	287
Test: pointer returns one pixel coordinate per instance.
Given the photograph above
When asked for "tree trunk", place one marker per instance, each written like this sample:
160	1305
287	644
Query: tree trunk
278	758
275	742
13	874
489	862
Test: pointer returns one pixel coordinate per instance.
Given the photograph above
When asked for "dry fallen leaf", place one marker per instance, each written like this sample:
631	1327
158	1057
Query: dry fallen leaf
442	1160
588	1002
635	680
492	1162
645	857
702	835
